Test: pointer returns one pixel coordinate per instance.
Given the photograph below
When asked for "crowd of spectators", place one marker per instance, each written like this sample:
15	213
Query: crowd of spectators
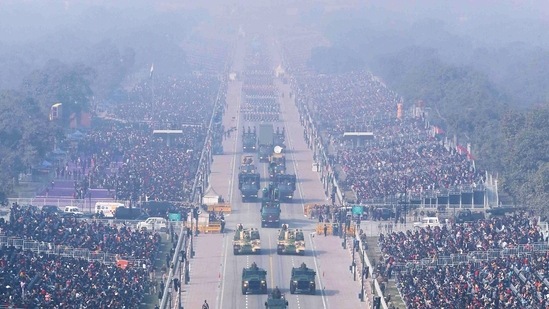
33	224
509	278
506	282
40	280
121	153
404	155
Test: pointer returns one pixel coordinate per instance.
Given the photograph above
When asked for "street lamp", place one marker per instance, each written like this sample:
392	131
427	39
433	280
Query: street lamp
181	261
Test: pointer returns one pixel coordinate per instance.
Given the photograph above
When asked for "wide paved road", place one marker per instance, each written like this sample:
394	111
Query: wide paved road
216	272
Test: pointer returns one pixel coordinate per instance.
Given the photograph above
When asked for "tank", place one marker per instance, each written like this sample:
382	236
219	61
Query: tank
246	241
303	280
254	280
290	241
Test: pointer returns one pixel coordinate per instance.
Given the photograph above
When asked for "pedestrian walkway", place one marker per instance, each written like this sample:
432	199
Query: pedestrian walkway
204	280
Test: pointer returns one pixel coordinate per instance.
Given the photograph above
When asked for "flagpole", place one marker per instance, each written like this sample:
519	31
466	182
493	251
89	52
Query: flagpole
152	87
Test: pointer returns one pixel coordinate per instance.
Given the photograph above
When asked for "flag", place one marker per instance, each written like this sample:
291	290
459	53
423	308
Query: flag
152	70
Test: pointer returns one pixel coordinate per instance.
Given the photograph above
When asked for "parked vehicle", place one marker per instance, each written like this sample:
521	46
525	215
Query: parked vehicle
154	224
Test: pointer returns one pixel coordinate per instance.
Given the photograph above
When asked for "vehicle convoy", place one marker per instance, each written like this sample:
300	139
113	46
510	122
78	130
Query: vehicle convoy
276	300
246	241
249	140
254	280
270	207
265	142
249	180
290	241
303	280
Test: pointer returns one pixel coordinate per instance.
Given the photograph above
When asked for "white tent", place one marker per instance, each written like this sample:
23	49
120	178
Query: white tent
210	197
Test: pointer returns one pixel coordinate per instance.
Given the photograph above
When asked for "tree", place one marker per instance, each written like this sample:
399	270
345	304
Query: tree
25	137
59	82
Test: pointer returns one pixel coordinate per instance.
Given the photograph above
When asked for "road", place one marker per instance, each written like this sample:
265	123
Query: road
216	272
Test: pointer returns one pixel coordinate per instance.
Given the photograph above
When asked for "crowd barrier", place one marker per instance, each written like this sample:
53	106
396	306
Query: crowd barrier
210	228
217	208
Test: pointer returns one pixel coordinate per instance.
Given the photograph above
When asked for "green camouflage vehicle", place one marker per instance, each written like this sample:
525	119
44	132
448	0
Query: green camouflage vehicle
276	300
246	241
303	280
290	241
254	280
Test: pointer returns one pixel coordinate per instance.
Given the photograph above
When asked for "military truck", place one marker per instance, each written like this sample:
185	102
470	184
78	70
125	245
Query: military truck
276	300
265	142
286	185
249	180
270	207
290	241
254	280
280	138
303	280
277	163
249	140
246	241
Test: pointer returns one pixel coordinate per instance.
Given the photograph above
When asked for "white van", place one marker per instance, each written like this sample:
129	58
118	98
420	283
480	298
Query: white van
108	208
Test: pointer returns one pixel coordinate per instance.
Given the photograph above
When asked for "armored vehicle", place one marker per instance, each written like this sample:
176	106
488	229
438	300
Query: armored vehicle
249	140
277	163
286	185
270	207
290	241
248	179
254	280
276	300
303	280
246	241
265	141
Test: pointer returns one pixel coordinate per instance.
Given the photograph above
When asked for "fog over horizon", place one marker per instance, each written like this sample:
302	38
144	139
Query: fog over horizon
501	39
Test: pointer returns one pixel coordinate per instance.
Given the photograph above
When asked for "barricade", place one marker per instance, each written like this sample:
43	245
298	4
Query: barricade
211	228
224	208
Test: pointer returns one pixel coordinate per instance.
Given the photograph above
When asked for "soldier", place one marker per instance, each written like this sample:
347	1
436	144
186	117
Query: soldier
240	227
254	266
303	266
276	293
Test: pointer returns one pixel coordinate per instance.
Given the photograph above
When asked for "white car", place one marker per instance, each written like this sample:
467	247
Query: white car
154	224
428	221
73	210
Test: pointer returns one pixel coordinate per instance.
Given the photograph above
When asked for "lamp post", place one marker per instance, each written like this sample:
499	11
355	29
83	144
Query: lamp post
181	261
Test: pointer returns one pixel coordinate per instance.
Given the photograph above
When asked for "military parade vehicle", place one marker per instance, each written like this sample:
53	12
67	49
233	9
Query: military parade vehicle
279	138
286	185
246	241
270	207
254	280
277	163
265	141
249	180
290	241
303	280
249	140
276	300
